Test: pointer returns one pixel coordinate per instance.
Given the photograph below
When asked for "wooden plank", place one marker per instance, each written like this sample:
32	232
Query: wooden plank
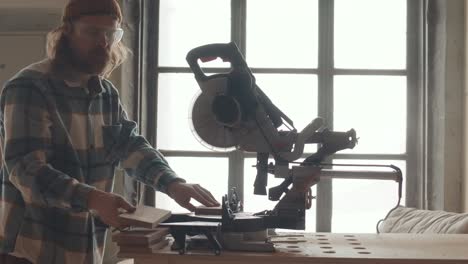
193	224
145	216
152	249
140	236
204	210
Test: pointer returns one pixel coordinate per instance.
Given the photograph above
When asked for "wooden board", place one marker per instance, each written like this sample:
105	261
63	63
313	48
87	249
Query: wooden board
335	249
193	224
145	216
152	249
204	210
141	237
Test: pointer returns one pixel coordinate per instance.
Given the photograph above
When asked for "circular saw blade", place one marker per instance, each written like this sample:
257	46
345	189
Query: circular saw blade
210	133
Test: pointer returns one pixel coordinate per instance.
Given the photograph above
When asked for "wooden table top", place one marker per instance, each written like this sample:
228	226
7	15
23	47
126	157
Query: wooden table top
334	248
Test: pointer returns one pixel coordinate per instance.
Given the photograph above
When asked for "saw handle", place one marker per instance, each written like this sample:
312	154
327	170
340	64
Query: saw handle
226	51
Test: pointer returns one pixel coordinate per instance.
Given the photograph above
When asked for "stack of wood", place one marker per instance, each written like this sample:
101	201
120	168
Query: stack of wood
144	235
141	240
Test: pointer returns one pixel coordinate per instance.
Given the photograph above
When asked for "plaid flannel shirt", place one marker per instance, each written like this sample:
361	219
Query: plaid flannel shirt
58	144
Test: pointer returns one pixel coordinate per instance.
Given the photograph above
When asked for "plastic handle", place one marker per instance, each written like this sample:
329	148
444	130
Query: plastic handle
226	51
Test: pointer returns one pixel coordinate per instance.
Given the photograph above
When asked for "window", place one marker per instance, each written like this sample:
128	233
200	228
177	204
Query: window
351	62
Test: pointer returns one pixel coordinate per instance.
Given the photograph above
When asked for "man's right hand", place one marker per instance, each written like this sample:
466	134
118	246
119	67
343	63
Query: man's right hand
107	206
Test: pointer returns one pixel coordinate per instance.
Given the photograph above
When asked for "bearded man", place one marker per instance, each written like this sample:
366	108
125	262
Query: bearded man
63	132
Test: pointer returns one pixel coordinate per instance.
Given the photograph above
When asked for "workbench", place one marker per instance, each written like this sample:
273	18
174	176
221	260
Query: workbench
330	248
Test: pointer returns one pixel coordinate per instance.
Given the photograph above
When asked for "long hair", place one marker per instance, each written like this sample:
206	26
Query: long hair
58	50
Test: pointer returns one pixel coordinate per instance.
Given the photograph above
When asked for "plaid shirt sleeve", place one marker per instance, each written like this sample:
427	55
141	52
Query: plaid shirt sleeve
28	148
139	158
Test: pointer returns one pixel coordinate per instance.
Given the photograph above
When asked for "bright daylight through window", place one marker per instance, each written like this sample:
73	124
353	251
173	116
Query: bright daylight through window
318	58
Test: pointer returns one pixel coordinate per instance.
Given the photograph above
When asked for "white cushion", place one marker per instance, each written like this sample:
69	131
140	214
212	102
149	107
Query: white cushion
411	220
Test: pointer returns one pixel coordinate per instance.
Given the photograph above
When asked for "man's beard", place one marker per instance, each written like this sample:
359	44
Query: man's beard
94	62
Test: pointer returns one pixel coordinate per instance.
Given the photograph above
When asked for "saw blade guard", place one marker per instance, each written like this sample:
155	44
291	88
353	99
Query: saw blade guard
232	111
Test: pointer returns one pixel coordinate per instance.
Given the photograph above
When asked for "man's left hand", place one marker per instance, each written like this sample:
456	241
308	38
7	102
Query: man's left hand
182	193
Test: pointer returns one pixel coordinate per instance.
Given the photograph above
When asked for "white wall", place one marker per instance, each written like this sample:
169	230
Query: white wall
17	50
22	19
32	3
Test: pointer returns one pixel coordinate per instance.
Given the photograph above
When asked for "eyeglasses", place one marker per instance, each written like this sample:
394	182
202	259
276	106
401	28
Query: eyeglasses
92	32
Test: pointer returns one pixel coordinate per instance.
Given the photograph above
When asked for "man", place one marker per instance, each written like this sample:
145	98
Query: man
63	133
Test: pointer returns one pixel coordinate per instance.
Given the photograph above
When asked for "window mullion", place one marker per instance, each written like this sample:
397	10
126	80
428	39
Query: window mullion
236	173
370	72
238	36
325	104
238	23
416	140
149	79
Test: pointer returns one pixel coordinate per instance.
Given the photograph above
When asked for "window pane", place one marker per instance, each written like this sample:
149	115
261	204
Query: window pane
176	94
186	24
257	203
359	204
295	95
282	34
376	107
194	170
370	34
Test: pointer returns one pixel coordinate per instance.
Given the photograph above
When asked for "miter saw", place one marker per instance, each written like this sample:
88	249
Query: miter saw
233	112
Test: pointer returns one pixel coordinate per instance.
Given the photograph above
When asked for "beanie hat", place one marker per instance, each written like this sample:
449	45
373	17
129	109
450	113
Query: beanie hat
78	8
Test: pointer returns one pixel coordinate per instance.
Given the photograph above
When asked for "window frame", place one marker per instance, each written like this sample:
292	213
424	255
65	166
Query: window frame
416	97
